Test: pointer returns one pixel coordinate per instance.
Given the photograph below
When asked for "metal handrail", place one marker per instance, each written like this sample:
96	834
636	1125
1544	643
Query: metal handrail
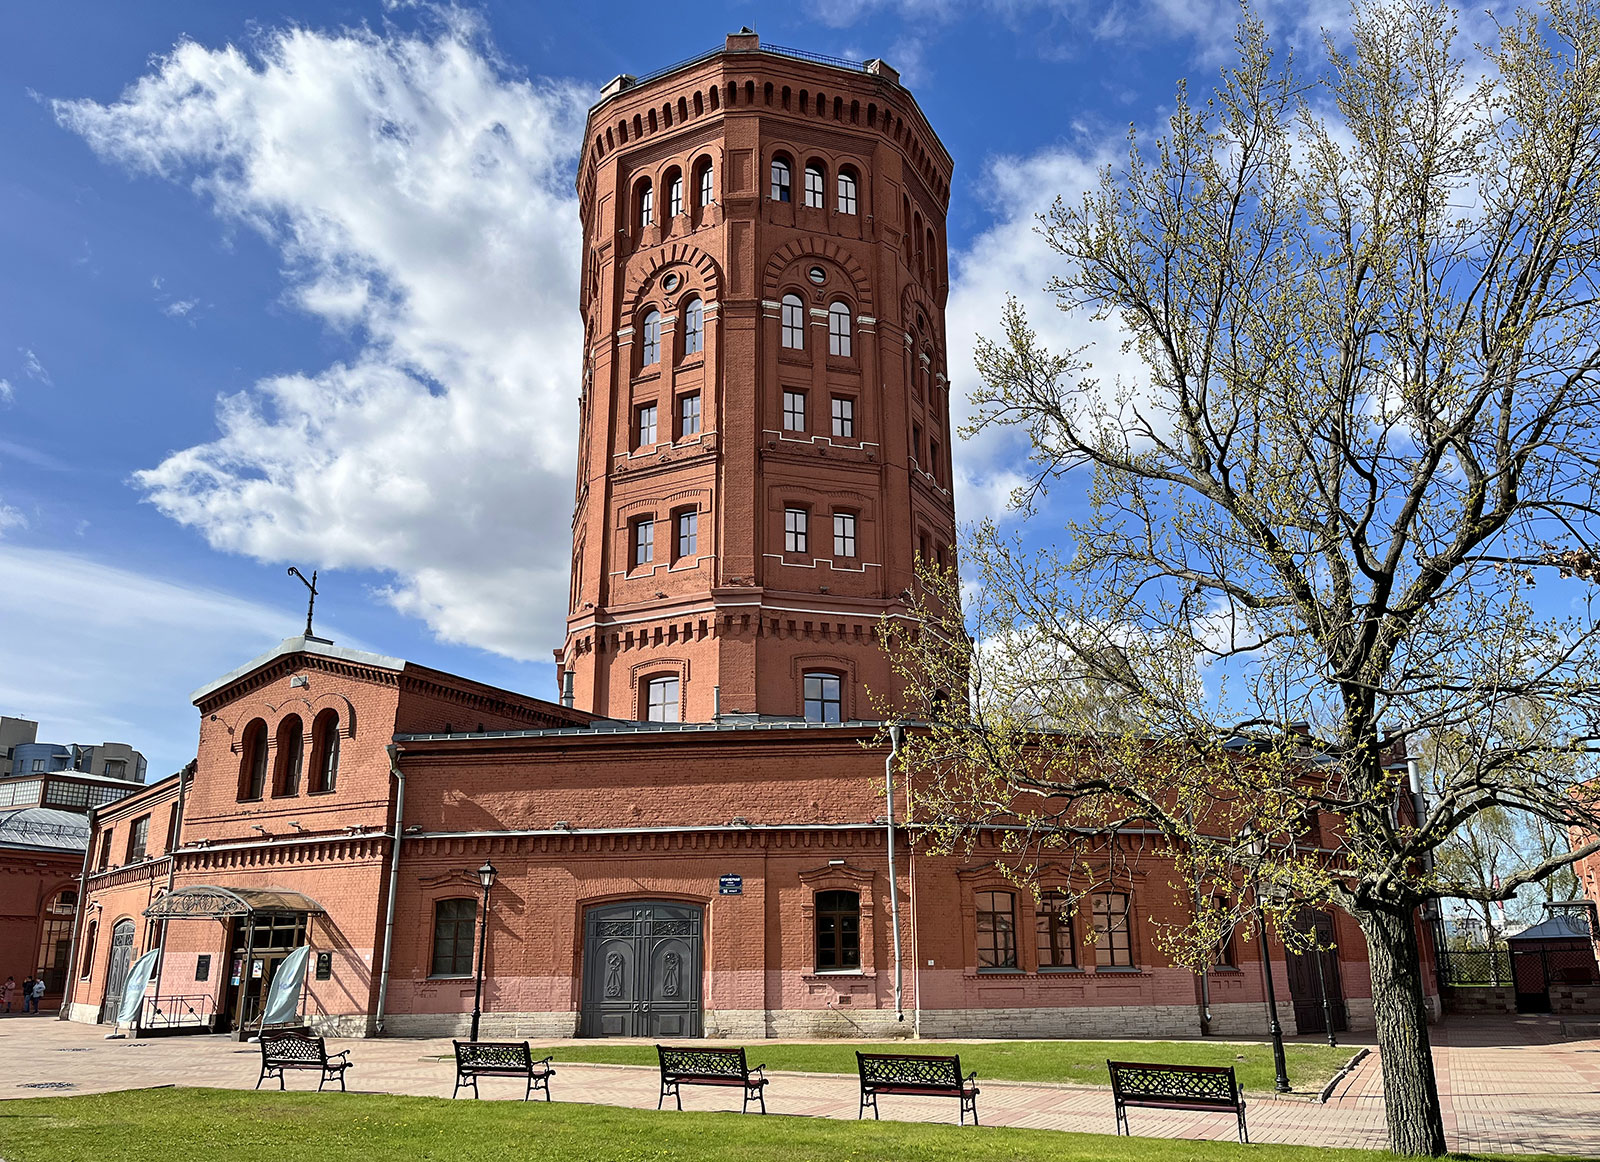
173	1012
774	49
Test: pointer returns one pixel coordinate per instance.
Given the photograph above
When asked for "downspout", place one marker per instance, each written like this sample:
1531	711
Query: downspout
69	988
394	879
896	732
173	842
916	954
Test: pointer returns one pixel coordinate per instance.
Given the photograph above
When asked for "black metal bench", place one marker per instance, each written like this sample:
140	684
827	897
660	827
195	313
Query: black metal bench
475	1059
700	1065
915	1076
298	1050
1175	1087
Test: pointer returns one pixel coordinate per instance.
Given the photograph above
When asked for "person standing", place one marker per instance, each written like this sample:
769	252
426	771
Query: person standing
38	993
27	993
7	991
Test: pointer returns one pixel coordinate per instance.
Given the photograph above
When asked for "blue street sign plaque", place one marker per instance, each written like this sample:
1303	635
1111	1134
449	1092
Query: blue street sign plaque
730	886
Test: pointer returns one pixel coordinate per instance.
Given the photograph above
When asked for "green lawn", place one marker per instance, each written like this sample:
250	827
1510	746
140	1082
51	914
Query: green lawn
1083	1062
244	1126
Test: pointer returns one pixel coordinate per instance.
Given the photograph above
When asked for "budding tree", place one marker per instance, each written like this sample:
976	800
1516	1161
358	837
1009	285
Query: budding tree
1363	428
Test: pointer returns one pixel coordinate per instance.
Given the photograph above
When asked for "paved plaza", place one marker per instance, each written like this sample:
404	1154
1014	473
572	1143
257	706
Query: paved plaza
1508	1085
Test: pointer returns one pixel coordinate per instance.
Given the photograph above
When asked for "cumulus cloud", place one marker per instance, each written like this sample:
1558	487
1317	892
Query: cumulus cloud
421	198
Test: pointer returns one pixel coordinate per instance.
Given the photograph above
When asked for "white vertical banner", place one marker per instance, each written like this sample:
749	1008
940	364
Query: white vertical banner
283	998
133	989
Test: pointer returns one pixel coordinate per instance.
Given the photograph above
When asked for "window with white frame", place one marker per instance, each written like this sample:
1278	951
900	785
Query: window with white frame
794	323
847	194
675	196
689	415
647	205
844	417
839	329
844	534
661	699
824	700
794	411
644	541
688	534
795	524
814	186
694	327
780	180
705	185
645	426
651	351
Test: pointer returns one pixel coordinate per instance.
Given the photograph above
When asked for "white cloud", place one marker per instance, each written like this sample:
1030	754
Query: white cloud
422	200
10	518
96	653
179	308
7	392
33	369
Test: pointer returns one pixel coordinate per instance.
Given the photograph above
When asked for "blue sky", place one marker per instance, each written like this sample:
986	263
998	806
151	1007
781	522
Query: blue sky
239	329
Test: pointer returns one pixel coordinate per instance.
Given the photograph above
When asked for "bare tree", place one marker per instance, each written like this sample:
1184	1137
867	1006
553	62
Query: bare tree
1365	312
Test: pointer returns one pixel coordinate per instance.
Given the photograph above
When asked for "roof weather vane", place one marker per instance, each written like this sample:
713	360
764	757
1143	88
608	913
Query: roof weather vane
311	601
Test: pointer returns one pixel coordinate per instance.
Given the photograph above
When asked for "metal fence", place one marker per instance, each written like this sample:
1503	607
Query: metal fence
1465	968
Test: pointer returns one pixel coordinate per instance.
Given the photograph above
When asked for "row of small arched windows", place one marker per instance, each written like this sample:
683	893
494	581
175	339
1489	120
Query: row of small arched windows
816	180
704	187
288	771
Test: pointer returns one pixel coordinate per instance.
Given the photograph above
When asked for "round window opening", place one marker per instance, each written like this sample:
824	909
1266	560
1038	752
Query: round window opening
817	275
670	282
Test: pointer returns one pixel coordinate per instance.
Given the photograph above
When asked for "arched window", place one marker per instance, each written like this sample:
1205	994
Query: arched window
647	204
780	180
838	931
839	329
674	195
694	326
291	754
325	751
705	184
997	930
86	960
824	697
794	323
651	349
454	924
847	193
661	699
253	760
55	939
814	185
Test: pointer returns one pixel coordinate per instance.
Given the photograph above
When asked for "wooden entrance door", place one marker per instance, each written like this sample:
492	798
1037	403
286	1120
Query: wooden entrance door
1305	987
117	970
641	970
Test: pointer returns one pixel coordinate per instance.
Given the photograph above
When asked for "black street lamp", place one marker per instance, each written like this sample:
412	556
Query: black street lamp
1258	847
486	875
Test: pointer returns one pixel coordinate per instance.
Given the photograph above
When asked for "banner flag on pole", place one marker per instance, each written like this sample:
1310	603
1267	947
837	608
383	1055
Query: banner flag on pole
133	991
283	998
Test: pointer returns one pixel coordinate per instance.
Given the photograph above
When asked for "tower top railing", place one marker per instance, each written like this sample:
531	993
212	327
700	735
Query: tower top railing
741	45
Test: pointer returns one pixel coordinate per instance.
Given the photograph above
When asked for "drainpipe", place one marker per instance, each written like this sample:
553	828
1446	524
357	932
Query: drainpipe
69	987
916	953
896	733
394	879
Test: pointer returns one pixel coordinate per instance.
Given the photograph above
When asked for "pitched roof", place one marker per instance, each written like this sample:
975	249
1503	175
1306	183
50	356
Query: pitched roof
44	829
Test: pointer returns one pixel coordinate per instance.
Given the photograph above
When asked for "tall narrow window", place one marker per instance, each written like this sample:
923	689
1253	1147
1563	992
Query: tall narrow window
705	185
1053	923
325	751
844	417
694	327
104	861
138	839
814	186
1113	940
847	193
839	329
688	534
780	180
652	339
844	534
823	695
647	205
174	823
291	753
838	931
916	443
661	700
794	323
644	541
689	414
253	760
454	922
997	930
644	428
794	530
1227	953
794	411
933	458
675	196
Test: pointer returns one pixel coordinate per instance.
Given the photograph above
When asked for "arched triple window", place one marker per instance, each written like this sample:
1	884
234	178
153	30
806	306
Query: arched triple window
794	323
291	754
705	184
694	326
838	931
253	760
647	204
780	180
650	351
839	329
325	751
824	697
846	203
814	180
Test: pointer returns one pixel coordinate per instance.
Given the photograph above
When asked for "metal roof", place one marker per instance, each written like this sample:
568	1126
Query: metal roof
606	726
44	828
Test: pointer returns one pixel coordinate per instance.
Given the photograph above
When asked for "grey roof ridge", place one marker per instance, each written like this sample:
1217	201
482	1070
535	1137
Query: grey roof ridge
300	644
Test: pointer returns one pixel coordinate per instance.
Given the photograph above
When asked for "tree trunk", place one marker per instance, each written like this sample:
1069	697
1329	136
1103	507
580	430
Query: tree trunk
1410	1091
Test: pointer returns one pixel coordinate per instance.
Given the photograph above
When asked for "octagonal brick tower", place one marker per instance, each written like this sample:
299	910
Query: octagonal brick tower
764	432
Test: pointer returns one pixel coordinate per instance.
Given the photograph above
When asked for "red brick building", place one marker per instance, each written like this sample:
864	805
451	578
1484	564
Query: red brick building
694	841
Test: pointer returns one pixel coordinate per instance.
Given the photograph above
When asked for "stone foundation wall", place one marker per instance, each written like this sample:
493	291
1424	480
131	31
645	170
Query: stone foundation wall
1574	999
1487	999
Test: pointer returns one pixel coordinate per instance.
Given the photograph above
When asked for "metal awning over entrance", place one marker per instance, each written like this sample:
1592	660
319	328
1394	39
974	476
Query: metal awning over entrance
209	902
